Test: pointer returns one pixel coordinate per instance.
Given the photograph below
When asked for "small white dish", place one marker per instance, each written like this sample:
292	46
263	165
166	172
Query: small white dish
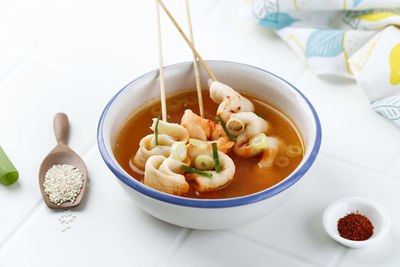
340	208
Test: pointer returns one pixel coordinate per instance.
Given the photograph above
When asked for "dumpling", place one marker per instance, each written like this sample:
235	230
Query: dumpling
205	184
206	130
246	125
230	101
165	174
268	153
168	133
147	148
173	131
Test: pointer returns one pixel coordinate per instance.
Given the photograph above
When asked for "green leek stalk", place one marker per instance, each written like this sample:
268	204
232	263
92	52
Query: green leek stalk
8	173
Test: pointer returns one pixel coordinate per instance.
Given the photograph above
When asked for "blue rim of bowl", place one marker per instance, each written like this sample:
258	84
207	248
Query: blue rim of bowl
208	203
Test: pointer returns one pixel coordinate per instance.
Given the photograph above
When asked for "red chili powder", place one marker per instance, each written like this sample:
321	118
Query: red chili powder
355	226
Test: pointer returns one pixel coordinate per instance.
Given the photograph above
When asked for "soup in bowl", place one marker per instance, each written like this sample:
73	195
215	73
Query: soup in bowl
257	173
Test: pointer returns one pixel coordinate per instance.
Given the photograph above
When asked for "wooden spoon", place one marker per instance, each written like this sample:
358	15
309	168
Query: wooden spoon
62	154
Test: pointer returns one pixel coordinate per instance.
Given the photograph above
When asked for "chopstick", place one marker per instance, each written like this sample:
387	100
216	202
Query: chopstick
212	76
161	65
195	63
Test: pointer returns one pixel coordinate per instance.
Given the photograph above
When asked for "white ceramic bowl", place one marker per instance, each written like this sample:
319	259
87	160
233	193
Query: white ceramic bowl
209	213
340	208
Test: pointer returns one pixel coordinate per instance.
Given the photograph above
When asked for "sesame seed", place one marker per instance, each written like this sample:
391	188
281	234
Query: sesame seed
66	220
63	183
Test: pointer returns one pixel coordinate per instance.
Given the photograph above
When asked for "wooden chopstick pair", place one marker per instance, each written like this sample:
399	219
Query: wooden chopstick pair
195	57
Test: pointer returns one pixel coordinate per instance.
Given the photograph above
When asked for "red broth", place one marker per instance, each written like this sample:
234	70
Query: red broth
248	179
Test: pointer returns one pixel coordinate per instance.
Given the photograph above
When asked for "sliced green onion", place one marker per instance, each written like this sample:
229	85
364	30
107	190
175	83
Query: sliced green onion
198	143
174	104
261	115
178	151
204	163
8	173
294	151
231	136
156	130
190	101
282	161
156	110
258	141
192	170
216	158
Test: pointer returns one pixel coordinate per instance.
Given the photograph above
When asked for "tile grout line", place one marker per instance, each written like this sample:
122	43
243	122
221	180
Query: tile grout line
380	188
19	225
339	259
91	148
299	77
13	67
381	183
288	254
178	242
393	161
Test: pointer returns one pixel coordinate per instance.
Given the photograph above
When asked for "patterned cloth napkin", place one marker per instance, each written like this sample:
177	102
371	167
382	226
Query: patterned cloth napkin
353	38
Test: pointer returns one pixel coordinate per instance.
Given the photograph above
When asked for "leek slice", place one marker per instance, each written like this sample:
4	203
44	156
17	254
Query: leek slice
198	143
282	161
204	163
258	141
174	104
178	151
294	151
190	101
156	110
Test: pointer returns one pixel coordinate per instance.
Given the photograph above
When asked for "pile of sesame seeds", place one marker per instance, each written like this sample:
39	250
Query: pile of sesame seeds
63	183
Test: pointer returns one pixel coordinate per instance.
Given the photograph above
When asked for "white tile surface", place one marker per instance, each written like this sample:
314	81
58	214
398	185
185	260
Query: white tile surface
351	129
394	170
19	199
114	45
72	56
25	23
297	226
386	252
100	176
35	92
218	248
238	35
106	231
9	58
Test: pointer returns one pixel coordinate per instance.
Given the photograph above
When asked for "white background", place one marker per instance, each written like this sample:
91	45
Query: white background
72	56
